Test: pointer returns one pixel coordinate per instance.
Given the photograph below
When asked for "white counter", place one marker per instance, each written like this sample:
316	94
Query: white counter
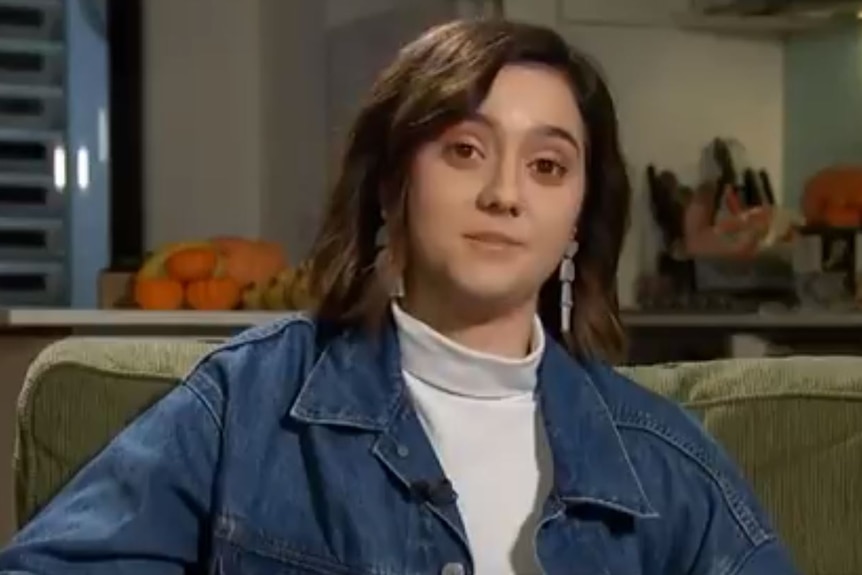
745	321
95	318
80	318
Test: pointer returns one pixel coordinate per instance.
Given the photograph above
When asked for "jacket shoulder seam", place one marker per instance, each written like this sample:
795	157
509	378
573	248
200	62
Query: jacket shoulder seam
201	374
739	565
255	334
200	397
265	331
753	528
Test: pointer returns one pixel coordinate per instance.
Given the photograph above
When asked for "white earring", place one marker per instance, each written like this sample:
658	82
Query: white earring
383	263
381	240
567	277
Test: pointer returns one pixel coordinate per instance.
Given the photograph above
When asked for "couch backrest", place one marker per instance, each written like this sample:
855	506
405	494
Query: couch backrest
78	394
794	426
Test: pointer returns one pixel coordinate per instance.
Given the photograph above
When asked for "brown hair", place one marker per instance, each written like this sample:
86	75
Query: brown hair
435	82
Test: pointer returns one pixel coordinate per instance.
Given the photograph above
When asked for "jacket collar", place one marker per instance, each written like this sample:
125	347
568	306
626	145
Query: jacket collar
591	463
357	382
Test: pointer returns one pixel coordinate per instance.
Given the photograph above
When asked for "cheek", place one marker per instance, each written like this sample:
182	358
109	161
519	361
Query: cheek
557	224
561	214
432	198
438	193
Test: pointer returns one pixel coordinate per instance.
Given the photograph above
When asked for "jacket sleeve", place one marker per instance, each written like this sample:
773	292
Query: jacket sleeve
728	529
142	505
771	558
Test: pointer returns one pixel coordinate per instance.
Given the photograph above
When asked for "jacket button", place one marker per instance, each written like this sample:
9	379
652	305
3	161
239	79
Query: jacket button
452	569
403	451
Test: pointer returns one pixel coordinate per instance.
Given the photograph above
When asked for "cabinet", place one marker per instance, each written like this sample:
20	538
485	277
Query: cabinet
54	151
762	18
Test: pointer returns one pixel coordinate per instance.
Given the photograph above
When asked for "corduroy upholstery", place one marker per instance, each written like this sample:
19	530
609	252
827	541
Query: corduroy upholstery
794	426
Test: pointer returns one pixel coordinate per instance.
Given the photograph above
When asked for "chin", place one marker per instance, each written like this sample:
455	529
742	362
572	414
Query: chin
491	292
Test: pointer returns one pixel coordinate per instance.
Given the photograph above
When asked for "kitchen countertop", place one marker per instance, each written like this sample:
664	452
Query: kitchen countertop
96	318
808	319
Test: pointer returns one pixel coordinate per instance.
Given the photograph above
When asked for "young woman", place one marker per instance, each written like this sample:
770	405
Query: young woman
449	408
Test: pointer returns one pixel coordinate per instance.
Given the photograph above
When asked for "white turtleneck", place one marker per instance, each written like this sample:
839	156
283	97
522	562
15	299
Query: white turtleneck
481	415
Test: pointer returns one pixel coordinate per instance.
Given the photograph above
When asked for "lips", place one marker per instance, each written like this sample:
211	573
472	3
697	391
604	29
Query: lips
494	238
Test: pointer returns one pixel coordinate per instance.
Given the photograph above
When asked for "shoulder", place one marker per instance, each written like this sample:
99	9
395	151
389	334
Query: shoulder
265	362
294	334
683	469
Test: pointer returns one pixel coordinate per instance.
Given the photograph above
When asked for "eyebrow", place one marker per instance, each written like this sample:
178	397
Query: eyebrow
549	130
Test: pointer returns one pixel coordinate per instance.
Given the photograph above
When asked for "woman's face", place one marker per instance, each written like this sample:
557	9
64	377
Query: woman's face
494	200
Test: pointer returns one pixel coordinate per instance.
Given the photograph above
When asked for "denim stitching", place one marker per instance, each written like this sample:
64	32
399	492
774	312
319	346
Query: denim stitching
204	378
744	558
743	514
228	530
651	510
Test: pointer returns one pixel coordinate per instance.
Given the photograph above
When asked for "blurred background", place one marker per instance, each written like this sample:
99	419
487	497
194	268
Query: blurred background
132	129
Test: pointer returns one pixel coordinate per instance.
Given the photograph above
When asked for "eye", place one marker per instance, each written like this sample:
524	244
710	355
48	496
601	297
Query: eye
462	153
464	150
548	169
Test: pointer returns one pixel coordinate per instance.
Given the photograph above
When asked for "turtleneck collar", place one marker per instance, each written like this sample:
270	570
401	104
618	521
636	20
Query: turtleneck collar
436	360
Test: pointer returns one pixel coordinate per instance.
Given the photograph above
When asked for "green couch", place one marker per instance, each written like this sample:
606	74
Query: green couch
794	425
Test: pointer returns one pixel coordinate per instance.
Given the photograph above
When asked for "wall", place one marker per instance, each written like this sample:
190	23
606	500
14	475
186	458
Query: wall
240	143
675	91
202	141
247	104
360	44
293	139
823	113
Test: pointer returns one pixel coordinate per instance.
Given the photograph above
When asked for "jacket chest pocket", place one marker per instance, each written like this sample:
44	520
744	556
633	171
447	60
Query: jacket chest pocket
235	561
241	550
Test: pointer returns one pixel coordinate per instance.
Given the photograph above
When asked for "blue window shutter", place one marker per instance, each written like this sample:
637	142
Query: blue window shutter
53	84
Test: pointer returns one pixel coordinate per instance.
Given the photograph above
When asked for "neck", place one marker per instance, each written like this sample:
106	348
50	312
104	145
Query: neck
506	334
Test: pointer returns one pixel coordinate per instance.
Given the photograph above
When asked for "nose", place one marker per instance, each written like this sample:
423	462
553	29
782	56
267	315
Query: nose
502	192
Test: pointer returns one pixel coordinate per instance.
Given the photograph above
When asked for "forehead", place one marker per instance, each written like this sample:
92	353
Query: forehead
525	96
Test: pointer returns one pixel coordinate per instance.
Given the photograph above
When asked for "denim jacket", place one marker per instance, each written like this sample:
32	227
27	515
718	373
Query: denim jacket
287	451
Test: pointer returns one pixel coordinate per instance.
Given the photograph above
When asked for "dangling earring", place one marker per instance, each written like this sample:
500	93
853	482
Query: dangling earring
567	277
381	240
384	265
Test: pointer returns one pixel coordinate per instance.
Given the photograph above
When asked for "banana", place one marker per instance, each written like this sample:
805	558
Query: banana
275	297
154	265
300	298
252	297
